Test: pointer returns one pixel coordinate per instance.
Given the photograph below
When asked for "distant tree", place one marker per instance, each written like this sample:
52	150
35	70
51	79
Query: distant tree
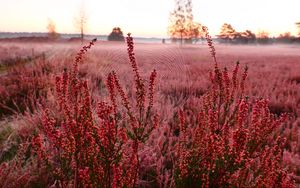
246	37
227	33
263	37
182	27
262	34
194	32
81	22
116	35
298	26
285	37
52	34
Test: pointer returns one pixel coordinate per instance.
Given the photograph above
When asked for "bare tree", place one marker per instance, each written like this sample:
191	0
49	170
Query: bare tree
80	23
182	25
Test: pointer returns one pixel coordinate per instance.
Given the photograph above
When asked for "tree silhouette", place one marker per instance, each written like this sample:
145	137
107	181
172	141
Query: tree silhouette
182	25
80	23
285	38
246	37
52	34
116	35
263	37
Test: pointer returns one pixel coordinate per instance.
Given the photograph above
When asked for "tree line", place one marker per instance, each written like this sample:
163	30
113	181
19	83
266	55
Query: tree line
184	29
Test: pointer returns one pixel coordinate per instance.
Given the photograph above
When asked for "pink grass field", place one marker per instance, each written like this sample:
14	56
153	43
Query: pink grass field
27	88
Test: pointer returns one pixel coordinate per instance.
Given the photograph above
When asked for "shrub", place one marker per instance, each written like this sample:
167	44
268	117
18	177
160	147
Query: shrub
77	148
232	140
23	87
223	139
116	35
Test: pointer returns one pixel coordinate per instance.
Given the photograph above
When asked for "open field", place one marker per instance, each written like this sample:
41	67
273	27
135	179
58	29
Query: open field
27	88
274	71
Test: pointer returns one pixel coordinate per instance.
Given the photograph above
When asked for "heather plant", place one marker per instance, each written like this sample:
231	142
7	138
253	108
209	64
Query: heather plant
17	168
24	86
104	132
80	149
231	141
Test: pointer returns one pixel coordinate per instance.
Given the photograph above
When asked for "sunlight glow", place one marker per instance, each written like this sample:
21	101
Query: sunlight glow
147	18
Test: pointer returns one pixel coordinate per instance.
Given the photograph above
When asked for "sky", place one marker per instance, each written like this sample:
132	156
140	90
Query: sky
148	18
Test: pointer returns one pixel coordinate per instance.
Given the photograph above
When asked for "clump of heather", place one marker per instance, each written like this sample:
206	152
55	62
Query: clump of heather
87	147
218	138
231	141
24	87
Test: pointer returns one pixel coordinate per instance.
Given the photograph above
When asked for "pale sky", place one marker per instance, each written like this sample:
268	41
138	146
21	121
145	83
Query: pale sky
147	17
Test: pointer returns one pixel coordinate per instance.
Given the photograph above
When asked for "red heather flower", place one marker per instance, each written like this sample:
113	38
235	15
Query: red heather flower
231	140
104	110
92	152
79	56
118	177
140	89
122	93
242	114
39	148
234	80
151	88
84	177
210	43
234	75
244	76
111	89
226	85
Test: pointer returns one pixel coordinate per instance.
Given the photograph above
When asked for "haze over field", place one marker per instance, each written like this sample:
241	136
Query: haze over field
147	18
210	99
